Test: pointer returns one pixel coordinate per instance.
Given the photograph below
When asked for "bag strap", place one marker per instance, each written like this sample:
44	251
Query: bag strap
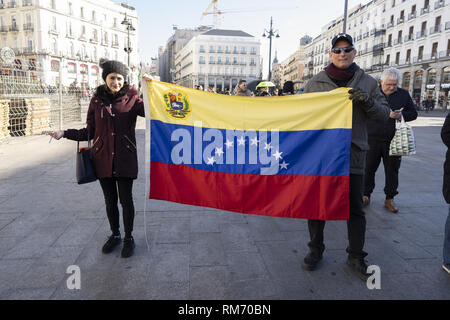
78	141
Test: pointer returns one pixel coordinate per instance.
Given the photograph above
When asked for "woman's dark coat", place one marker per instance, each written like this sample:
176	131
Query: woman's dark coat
111	123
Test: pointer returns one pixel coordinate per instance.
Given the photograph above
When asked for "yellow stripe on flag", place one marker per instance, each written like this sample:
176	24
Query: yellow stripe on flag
250	113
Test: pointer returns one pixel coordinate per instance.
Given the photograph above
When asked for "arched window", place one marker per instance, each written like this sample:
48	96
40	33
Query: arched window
418	79
445	75
406	80
431	77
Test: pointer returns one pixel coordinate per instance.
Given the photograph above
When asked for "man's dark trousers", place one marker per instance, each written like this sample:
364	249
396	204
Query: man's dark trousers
356	225
380	150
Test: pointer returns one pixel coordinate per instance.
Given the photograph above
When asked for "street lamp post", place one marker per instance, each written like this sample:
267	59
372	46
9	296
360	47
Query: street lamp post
269	34
127	22
344	29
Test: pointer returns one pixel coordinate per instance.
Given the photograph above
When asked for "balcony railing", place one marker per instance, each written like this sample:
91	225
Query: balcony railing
439	4
28	27
4	29
12	4
425	10
435	29
427	57
390	24
412	15
27	3
400	20
14	28
447	25
409	37
398	41
421	34
444	54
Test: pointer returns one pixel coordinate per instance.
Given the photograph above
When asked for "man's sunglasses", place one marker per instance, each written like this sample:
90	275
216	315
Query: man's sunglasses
345	49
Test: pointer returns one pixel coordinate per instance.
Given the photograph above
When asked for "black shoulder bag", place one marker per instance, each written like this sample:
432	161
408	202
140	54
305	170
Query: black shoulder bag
85	170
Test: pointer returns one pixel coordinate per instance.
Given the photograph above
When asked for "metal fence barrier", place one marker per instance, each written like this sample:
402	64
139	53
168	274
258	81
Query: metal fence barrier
29	107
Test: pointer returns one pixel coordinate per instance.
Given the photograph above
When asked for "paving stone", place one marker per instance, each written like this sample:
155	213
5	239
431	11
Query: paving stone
170	263
236	237
206	249
246	266
173	230
208	282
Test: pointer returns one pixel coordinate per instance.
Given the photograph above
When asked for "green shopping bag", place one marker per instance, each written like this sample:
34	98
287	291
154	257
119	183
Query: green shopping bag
403	143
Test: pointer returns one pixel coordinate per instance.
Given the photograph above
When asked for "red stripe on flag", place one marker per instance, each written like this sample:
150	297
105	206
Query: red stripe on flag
289	196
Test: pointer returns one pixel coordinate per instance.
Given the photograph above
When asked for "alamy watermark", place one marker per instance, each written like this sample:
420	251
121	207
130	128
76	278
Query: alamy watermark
74	280
374	281
228	147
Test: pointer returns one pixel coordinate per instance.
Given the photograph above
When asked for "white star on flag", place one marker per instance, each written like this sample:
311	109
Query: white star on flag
268	146
241	141
277	155
219	152
284	165
211	161
255	141
229	144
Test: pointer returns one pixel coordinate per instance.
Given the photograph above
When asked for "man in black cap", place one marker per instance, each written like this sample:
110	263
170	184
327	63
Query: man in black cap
368	103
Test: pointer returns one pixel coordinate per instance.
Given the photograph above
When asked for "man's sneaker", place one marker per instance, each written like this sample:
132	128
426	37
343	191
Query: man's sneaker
311	261
128	247
446	267
111	243
359	267
366	201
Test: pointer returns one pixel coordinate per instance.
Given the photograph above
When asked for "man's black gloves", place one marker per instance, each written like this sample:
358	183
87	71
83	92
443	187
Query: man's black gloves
357	95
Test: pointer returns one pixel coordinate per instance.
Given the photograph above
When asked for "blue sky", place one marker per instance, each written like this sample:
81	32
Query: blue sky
292	18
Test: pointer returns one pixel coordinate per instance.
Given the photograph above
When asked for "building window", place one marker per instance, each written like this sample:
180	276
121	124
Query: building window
54	65
434	52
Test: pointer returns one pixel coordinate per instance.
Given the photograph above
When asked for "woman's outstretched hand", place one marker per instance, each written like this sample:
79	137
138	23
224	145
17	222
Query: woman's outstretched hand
56	134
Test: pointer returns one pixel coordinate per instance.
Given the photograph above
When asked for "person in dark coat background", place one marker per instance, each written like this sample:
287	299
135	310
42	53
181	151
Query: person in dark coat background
111	123
445	135
380	136
288	88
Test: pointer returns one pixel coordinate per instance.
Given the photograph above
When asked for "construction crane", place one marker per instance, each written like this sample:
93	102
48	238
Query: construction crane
214	10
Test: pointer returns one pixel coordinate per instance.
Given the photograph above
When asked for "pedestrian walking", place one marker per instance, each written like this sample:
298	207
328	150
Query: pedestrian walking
368	103
111	122
380	136
445	135
241	89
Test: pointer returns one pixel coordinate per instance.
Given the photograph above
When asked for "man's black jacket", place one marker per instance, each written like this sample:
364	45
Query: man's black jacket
385	131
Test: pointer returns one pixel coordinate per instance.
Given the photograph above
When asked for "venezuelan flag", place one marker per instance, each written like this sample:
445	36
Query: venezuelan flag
276	156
